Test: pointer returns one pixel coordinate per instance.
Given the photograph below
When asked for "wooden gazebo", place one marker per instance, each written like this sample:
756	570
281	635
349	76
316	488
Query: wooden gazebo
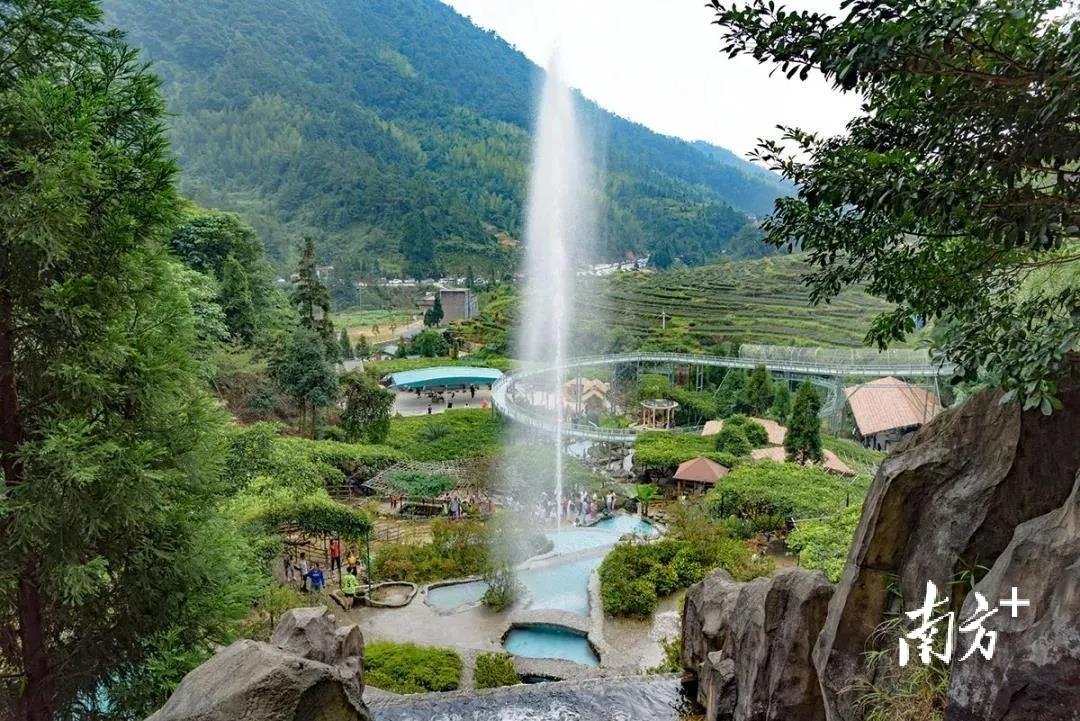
699	474
658	413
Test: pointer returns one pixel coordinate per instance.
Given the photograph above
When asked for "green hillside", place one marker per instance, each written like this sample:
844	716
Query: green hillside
398	133
736	302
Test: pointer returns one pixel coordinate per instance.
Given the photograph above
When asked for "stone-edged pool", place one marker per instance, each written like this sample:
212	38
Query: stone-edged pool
555	582
551	642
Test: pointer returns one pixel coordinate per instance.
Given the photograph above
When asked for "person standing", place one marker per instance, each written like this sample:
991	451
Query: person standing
350	562
335	554
304	570
318	580
290	573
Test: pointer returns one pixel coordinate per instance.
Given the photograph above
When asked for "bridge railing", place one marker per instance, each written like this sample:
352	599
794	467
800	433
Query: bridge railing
825	375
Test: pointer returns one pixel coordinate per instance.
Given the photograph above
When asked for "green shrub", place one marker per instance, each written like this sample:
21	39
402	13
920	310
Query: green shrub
634	575
454	434
753	431
732	441
494	670
662	449
664	578
687	569
503	587
408	668
623	597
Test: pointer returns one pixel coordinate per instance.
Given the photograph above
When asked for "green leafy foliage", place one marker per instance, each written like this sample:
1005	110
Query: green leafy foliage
954	194
824	544
754	433
759	391
367	408
408	668
766	488
494	670
662	449
732	441
419	483
308	375
119	571
463	433
633	576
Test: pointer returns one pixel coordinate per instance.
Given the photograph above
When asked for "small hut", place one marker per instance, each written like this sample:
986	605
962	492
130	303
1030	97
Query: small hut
698	474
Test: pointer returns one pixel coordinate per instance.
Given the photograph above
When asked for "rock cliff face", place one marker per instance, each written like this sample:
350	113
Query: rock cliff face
310	670
946	502
983	485
1035	673
750	645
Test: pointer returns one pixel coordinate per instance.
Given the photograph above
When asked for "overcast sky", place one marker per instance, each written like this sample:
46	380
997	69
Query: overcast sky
658	62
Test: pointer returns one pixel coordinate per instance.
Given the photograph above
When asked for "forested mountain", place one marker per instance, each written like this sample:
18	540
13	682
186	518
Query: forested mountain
397	133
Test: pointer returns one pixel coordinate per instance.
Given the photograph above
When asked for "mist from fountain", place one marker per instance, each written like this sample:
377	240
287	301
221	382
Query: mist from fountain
559	229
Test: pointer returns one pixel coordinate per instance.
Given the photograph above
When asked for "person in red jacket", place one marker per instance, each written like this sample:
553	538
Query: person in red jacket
335	555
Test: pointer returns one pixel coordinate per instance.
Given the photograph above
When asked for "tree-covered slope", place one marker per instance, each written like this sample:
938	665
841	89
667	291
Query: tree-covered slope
398	133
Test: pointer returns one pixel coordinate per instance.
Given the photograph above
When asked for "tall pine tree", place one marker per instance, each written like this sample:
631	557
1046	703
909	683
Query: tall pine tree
109	446
311	300
803	439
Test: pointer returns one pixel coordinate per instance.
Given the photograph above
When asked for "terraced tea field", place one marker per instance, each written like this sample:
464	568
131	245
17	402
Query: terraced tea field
747	301
755	301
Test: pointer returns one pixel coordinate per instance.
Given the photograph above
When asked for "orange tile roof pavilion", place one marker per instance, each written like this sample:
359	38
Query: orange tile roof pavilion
889	403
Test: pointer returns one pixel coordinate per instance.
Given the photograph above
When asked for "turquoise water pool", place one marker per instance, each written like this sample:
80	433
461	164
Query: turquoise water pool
572	540
450	597
559	586
551	642
623	524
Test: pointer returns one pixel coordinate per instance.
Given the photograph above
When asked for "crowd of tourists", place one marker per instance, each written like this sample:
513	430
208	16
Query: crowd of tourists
312	577
581	506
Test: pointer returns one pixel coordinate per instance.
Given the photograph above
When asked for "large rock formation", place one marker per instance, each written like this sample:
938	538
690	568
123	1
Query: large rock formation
750	645
311	671
944	503
1035	670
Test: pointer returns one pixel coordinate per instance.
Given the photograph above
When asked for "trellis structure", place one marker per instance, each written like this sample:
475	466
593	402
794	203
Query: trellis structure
471	480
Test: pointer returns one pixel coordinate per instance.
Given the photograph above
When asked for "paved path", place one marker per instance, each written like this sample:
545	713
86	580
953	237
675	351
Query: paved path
408	404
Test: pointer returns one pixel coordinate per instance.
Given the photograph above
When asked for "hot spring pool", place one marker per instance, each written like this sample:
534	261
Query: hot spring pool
551	642
572	540
556	585
623	524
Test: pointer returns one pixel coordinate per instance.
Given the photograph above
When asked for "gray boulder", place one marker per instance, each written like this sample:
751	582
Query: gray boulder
313	633
310	671
254	681
947	500
1035	669
750	645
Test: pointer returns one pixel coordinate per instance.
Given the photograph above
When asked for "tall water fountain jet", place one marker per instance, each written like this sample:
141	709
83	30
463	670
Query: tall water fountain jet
559	228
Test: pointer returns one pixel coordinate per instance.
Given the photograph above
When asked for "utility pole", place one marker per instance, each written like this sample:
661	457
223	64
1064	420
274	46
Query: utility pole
663	319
